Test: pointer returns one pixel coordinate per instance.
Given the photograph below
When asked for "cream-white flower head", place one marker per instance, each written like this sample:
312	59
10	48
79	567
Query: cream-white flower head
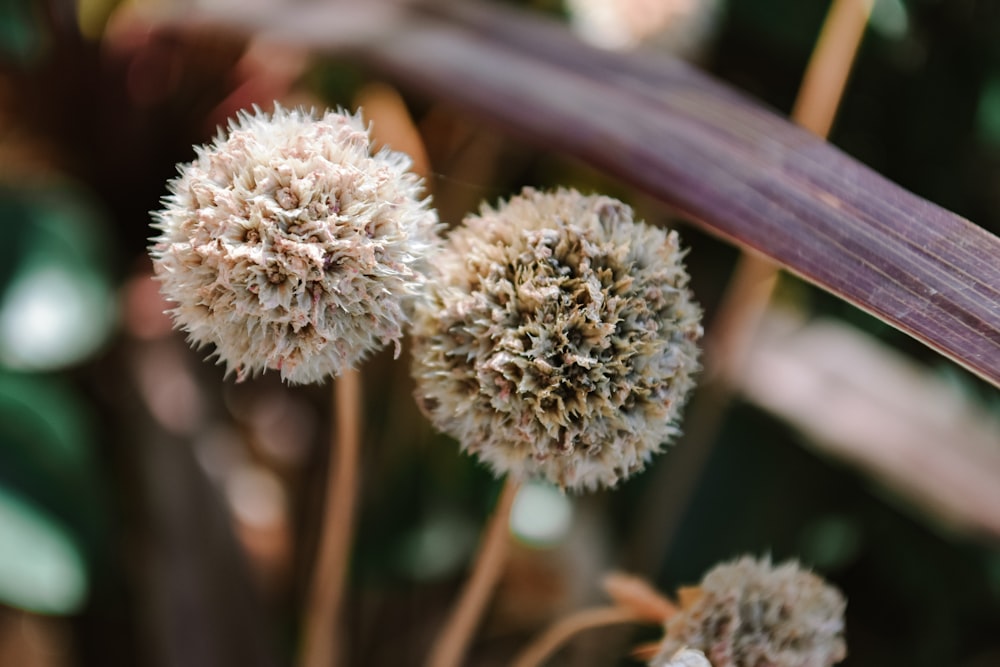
750	612
558	339
290	245
686	658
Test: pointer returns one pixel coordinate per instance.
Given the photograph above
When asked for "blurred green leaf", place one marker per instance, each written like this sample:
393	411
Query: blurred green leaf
13	210
46	453
52	504
988	114
41	568
21	33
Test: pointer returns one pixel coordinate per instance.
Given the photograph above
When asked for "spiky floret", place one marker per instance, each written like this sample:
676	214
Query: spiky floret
749	613
558	339
289	244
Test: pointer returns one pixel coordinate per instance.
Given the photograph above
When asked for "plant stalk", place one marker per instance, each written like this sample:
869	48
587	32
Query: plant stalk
452	643
563	630
323	645
748	293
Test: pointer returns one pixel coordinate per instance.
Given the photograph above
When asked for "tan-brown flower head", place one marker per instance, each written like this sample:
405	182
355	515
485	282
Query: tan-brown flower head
749	613
558	338
289	244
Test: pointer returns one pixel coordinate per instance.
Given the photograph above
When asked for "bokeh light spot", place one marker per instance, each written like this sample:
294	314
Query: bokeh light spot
51	317
831	542
437	547
889	18
541	514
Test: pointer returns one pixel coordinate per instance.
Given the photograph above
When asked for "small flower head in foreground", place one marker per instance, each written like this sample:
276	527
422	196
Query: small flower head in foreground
749	613
559	339
289	245
687	658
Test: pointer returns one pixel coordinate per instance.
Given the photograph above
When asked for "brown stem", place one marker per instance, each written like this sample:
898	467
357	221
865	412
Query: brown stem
822	88
560	632
452	643
635	593
819	97
826	77
748	294
322	642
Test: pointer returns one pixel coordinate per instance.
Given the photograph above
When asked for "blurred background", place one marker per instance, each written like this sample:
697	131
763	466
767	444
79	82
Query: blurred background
153	513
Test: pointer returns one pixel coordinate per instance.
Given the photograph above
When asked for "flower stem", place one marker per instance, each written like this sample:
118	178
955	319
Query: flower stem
563	630
452	643
815	108
746	298
822	88
830	65
637	594
322	643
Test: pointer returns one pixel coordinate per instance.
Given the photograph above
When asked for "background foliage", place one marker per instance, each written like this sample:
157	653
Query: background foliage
152	514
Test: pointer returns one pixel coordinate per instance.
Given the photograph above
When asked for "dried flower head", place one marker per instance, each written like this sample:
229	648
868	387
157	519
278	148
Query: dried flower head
558	338
749	613
290	245
687	658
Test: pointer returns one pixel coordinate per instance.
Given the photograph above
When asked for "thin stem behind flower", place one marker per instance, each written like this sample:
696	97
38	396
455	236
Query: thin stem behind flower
635	601
452	643
830	65
564	629
815	107
747	295
322	646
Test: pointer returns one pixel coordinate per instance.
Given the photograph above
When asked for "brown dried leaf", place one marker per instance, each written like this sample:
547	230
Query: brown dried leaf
738	169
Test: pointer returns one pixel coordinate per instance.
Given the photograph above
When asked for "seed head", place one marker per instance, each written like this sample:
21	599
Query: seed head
290	245
749	613
558	339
